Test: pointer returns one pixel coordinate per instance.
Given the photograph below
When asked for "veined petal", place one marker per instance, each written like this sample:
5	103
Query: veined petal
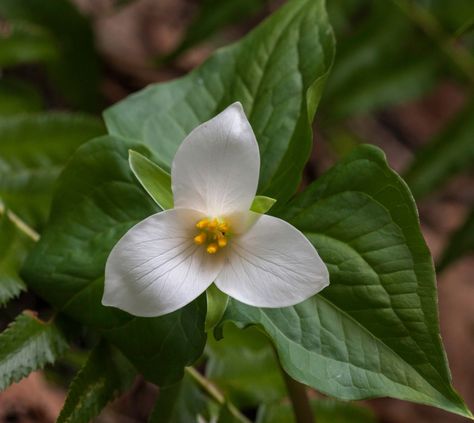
156	268
216	168
272	265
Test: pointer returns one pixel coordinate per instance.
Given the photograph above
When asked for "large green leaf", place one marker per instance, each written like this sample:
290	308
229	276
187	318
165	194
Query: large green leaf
76	70
105	375
97	200
27	345
13	249
451	152
276	72
374	331
33	150
460	243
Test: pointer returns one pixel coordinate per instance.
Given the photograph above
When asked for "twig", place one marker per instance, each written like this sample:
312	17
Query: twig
20	223
215	394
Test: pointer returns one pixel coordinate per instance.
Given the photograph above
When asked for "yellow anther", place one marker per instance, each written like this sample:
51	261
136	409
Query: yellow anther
223	227
222	241
212	248
202	224
200	239
212	225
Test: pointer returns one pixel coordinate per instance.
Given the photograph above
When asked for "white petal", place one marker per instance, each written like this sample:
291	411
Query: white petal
272	265
216	168
156	268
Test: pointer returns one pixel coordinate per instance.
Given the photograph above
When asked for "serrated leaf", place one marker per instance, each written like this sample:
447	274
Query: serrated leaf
153	179
277	73
97	200
460	243
76	70
451	152
13	249
374	331
325	411
27	345
22	42
105	375
33	151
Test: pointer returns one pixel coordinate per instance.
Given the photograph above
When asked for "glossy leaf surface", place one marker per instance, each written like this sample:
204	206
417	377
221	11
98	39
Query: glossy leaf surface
374	331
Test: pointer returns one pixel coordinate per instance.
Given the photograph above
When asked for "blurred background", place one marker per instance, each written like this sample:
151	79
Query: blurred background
402	80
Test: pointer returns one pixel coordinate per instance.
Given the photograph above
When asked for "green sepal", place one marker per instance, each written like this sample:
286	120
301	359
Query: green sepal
155	180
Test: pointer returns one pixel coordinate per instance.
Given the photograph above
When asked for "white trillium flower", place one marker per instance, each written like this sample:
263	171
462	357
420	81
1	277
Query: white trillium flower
170	258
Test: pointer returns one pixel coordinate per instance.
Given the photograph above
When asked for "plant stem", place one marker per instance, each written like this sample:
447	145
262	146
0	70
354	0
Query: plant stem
20	224
215	394
299	399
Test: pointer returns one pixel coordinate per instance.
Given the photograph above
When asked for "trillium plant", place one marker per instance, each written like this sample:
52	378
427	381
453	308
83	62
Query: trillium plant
178	244
211	235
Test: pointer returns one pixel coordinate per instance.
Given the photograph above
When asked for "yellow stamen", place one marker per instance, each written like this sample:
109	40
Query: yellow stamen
223	227
202	224
200	239
222	241
212	225
212	248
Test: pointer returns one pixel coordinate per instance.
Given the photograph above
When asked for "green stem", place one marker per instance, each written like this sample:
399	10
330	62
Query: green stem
20	224
299	399
215	394
458	54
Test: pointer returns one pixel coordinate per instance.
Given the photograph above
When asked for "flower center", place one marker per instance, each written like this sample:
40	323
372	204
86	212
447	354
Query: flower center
214	234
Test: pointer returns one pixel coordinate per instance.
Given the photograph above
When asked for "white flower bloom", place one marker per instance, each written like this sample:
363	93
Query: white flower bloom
170	258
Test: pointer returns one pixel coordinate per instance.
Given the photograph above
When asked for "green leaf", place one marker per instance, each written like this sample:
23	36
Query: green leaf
153	179
277	72
374	331
262	204
13	249
27	345
17	96
22	42
216	304
460	243
450	153
180	403
243	365
33	151
105	375
76	70
325	411
97	200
